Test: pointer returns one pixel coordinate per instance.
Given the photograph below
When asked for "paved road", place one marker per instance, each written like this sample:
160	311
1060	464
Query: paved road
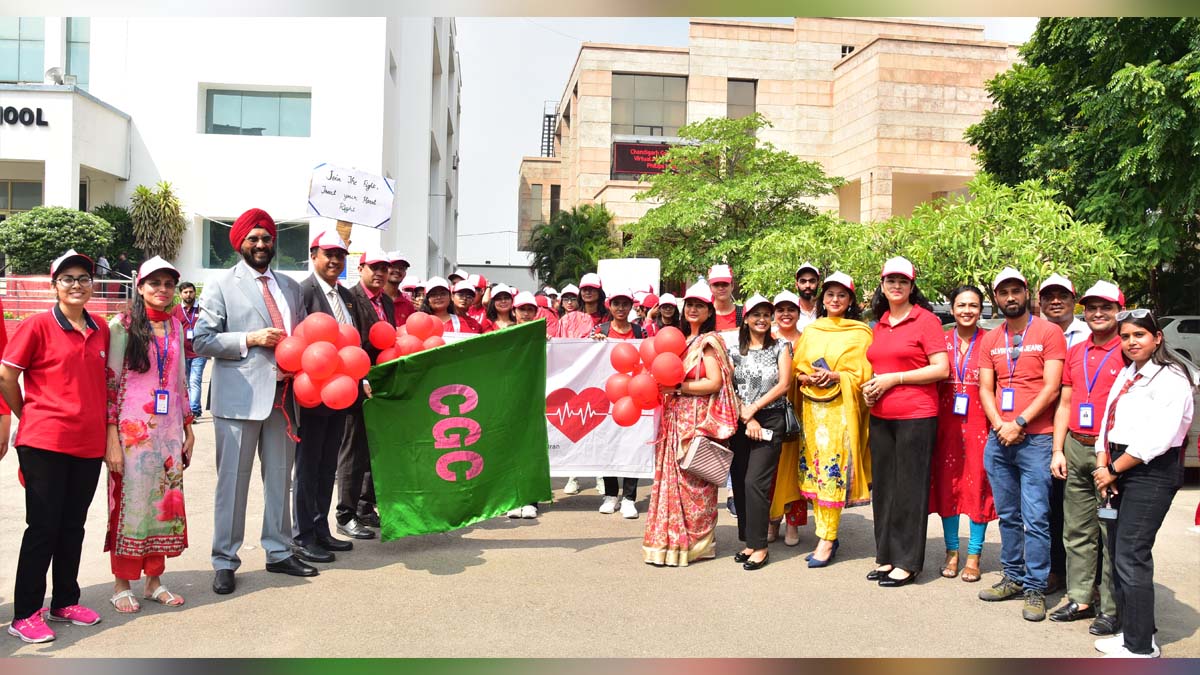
571	584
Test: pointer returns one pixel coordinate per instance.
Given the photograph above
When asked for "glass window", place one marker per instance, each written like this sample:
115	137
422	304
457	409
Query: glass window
3	195
26	195
555	199
622	86
622	112
31	57
22	49
533	212
258	113
648	105
291	246
1189	326
33	28
9	60
674	88
10	28
79	30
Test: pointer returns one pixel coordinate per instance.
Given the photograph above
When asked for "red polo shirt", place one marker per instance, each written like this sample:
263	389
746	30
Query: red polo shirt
1043	342
1104	363
903	347
66	393
402	307
727	321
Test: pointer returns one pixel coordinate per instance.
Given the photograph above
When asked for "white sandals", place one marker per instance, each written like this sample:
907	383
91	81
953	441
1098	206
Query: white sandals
126	594
170	601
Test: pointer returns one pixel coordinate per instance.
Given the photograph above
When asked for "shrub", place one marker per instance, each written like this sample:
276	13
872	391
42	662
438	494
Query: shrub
34	238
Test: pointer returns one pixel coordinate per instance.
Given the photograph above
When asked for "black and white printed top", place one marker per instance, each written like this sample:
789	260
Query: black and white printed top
757	372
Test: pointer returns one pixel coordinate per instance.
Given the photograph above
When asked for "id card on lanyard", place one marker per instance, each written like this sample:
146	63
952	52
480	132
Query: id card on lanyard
190	317
162	357
1087	411
1008	395
961	398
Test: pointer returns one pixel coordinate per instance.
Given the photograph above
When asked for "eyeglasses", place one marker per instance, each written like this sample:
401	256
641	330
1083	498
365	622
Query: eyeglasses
67	282
1014	352
1134	313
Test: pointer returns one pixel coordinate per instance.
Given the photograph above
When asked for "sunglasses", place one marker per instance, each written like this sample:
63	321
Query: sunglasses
1014	352
1133	313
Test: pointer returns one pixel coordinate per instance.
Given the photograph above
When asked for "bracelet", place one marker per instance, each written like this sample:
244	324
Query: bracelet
1097	469
901	378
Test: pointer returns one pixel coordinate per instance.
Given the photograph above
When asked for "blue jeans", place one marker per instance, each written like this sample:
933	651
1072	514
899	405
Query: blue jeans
1020	478
195	370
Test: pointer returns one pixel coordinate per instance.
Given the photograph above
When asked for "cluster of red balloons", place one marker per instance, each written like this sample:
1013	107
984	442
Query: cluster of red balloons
420	332
634	387
327	360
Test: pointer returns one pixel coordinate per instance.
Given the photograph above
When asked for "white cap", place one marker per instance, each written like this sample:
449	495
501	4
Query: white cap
808	266
464	285
1007	274
590	280
720	273
410	282
372	256
436	282
840	278
72	257
699	291
621	293
899	266
787	296
549	290
396	256
1105	290
153	265
667	298
502	288
524	298
328	241
639	295
570	289
754	301
1056	280
460	272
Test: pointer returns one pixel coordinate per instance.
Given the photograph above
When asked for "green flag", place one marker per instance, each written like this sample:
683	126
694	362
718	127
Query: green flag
458	433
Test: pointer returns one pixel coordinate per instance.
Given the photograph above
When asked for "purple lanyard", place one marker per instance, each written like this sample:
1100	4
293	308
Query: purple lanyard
1090	384
962	369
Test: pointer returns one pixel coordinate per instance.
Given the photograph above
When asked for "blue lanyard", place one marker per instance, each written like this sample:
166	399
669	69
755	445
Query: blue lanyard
1012	363
1091	383
162	354
962	369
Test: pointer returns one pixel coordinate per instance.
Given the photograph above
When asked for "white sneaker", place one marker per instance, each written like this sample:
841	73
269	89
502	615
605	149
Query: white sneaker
600	484
572	486
629	509
514	513
1124	653
529	511
609	505
1115	644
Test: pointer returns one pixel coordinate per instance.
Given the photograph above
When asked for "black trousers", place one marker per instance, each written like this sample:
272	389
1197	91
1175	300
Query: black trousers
58	491
753	472
321	437
1058	549
901	451
628	487
356	490
1144	493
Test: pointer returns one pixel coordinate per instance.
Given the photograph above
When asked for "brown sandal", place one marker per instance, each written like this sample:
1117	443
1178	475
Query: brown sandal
950	569
971	571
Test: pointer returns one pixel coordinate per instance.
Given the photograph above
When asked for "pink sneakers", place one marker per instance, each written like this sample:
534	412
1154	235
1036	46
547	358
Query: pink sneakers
76	614
32	629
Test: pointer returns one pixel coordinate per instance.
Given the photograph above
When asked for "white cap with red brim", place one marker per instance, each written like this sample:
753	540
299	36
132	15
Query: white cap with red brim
841	279
720	274
1056	280
899	266
1105	290
1008	274
153	265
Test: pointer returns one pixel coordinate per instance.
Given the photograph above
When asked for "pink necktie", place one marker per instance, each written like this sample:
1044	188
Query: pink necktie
272	308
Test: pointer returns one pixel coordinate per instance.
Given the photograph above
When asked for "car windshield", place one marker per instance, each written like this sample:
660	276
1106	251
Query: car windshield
1165	321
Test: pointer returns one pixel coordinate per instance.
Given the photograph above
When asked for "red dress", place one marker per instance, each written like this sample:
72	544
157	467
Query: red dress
959	482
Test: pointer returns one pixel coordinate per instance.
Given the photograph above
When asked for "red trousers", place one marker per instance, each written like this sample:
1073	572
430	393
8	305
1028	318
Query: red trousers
131	569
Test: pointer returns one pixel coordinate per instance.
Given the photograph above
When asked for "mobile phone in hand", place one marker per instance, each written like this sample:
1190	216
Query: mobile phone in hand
767	434
822	363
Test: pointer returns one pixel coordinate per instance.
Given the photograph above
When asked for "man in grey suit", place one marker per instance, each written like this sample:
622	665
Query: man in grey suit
244	313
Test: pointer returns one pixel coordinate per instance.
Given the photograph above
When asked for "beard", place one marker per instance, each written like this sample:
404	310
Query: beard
807	294
249	257
1012	311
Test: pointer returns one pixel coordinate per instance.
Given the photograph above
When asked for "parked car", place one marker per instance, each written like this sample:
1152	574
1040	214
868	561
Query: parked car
1183	333
1190	454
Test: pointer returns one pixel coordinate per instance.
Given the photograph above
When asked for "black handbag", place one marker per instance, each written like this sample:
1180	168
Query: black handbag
791	424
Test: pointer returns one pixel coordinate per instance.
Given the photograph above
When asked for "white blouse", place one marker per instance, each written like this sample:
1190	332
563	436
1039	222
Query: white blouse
1153	416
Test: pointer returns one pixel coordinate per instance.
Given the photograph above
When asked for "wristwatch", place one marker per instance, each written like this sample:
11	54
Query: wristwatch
1021	421
1112	469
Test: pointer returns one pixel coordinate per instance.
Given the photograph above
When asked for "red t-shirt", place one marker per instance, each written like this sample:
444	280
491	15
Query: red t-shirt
187	318
478	313
727	321
903	347
1043	342
4	409
614	334
1104	363
402	308
66	394
463	324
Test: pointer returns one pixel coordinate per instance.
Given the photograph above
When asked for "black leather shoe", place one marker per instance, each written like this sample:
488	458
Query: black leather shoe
1071	612
876	575
750	565
313	553
290	565
355	530
888	582
223	582
740	557
369	519
1105	624
332	544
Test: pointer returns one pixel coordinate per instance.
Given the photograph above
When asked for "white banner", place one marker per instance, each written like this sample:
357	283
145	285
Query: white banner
584	441
351	195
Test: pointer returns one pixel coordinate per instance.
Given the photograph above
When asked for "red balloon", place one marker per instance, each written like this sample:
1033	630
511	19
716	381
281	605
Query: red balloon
439	328
320	327
638	369
288	353
382	335
355	362
625	412
624	357
348	336
401	331
617	387
298	331
308	391
340	392
644	391
409	344
389	354
670	340
421	325
647	351
432	342
320	360
667	369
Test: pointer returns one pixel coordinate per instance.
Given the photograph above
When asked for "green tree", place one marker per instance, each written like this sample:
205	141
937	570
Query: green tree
571	244
123	239
1107	111
34	238
158	221
723	190
950	241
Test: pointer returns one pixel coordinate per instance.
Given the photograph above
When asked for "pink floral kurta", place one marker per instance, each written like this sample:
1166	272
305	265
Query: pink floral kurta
145	503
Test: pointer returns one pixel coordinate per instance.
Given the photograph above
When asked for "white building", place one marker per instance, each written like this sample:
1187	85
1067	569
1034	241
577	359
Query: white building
235	113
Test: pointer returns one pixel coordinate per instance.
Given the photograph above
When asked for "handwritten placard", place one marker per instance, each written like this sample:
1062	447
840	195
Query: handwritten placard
351	195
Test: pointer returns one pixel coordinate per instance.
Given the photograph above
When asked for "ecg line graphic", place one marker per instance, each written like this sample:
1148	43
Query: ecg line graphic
585	414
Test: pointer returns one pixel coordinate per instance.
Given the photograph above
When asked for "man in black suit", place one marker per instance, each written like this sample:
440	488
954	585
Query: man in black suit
322	429
356	490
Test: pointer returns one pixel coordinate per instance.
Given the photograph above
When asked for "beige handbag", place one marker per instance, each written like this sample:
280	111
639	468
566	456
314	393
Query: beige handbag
707	460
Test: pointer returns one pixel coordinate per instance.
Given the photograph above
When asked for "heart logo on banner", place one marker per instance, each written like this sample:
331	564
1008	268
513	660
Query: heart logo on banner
576	414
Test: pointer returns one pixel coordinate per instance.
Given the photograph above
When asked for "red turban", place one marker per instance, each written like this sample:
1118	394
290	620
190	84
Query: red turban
248	221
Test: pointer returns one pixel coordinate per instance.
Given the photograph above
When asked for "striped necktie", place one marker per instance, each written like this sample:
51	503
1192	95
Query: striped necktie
1112	409
336	304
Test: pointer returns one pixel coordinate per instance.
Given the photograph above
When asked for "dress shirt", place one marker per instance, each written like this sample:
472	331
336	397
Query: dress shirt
1077	332
285	309
373	296
334	299
1153	416
805	318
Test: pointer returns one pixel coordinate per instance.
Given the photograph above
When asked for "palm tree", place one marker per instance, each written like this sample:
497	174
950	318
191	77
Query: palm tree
571	244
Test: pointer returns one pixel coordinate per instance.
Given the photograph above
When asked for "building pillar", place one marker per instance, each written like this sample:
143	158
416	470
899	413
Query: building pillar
876	196
61	184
